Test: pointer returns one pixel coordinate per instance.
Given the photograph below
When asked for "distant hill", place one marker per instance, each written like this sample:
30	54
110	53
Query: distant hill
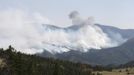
127	65
125	33
117	55
83	37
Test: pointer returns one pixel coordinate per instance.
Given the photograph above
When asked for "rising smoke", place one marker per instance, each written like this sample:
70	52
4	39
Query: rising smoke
30	33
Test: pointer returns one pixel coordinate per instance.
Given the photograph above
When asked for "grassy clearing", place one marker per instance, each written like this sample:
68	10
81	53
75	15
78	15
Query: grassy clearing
2	63
126	71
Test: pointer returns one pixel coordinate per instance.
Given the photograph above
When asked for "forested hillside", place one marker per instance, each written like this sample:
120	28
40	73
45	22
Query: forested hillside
16	63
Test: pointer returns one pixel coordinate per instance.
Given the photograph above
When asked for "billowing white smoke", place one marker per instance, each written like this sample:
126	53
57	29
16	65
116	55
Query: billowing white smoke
27	34
21	30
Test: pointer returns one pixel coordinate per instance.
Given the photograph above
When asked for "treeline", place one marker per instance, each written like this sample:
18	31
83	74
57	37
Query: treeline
127	65
18	63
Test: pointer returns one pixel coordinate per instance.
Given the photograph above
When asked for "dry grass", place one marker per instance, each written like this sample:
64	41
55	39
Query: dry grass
126	71
2	63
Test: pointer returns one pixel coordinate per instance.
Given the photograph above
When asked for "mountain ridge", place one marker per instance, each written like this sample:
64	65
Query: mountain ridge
115	55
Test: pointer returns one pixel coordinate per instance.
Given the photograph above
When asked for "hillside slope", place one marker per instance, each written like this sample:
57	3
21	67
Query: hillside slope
116	55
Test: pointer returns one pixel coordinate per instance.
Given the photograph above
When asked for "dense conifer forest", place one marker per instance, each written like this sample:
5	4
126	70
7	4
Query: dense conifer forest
17	63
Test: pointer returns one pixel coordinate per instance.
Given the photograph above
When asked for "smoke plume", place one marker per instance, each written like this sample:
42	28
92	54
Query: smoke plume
32	33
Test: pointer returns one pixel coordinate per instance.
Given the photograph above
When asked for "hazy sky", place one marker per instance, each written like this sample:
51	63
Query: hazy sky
119	13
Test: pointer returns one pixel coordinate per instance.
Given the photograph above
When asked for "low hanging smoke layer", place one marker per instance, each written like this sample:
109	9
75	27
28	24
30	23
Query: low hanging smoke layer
32	33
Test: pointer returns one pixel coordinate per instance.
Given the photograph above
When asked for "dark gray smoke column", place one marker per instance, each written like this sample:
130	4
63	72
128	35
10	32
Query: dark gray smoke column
76	18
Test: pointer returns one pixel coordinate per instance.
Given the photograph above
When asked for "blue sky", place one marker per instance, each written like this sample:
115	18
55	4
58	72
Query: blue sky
119	13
